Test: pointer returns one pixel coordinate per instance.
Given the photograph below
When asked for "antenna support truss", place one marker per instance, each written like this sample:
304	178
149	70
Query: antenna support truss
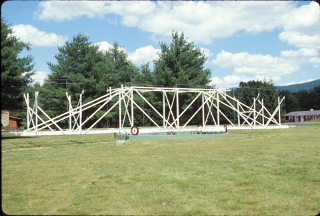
248	117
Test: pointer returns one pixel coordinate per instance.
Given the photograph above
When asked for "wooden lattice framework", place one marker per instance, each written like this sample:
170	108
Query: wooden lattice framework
210	99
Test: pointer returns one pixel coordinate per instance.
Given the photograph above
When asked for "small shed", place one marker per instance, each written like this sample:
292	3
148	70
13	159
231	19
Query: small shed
302	116
13	121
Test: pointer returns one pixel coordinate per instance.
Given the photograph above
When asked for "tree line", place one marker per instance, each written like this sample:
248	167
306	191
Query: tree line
81	66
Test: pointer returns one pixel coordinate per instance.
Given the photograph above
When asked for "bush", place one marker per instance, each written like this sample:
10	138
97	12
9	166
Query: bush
22	128
23	125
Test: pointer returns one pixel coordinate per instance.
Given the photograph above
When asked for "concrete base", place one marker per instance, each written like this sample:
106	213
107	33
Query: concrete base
146	130
169	135
258	127
121	131
120	142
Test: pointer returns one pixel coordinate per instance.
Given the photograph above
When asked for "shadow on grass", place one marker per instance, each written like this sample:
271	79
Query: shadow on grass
16	137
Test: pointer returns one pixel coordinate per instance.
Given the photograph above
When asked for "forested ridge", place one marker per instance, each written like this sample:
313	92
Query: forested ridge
301	86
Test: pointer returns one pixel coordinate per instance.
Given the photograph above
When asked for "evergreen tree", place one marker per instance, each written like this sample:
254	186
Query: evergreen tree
180	63
291	103
145	76
267	90
303	99
315	98
121	68
308	99
80	66
16	72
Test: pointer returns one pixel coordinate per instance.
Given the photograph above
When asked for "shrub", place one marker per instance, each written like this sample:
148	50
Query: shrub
21	128
23	125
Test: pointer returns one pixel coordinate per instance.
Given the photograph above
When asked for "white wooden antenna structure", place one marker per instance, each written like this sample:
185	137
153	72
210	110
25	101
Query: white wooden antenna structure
211	99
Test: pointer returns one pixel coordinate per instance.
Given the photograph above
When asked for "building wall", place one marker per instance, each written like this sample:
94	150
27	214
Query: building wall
5	117
302	118
13	122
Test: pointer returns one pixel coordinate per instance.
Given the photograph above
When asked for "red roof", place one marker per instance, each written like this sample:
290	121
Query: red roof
14	117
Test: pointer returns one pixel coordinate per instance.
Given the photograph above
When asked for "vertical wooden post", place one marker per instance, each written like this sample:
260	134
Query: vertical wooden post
203	111
279	111
132	117
238	113
120	95
254	112
218	110
163	109
70	120
177	103
27	102
36	103
80	120
262	112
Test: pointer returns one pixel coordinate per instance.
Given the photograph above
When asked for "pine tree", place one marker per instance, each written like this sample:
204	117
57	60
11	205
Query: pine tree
16	71
180	63
81	66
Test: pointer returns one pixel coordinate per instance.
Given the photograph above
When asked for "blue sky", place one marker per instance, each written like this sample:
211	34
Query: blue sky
243	40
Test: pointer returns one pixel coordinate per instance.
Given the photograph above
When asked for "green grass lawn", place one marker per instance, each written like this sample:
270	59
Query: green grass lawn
249	172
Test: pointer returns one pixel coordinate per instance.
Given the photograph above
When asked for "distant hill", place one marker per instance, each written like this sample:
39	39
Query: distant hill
301	86
295	87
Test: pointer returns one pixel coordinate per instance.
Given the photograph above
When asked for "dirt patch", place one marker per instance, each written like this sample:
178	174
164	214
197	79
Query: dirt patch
23	149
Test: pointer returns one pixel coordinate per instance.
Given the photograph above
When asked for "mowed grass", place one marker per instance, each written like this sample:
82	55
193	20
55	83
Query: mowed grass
249	172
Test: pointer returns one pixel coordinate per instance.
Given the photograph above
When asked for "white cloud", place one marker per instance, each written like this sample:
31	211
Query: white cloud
30	34
206	52
216	81
256	64
231	81
257	67
234	80
144	55
315	61
200	21
299	53
131	12
113	22
299	39
59	11
139	56
292	83
303	19
39	77
302	56
103	46
301	26
204	21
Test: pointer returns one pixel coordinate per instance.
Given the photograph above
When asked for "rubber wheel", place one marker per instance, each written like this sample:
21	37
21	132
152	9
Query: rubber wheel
225	128
134	130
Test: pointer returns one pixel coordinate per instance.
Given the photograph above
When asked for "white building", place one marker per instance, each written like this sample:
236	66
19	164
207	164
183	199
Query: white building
302	116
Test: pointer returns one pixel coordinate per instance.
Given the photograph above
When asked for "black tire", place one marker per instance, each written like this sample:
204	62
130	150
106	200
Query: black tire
134	130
